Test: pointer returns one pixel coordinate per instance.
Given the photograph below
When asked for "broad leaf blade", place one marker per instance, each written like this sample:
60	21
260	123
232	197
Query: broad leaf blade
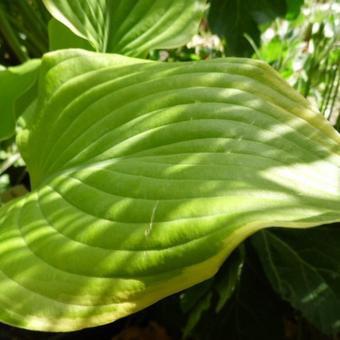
14	81
127	26
304	269
60	37
147	175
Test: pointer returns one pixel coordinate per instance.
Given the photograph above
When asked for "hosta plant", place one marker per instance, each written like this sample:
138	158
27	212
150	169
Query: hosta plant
146	175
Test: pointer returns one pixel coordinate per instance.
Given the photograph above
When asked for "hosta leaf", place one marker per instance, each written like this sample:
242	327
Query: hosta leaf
60	37
128	26
305	270
146	176
14	81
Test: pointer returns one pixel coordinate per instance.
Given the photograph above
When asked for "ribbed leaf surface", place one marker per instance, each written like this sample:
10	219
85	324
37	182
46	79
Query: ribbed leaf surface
130	27
147	175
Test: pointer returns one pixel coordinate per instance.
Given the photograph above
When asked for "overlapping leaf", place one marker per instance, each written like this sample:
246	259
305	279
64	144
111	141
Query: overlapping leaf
147	175
14	81
238	21
128	26
304	270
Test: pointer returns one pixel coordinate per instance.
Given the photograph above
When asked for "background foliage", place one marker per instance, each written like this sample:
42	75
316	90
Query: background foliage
279	285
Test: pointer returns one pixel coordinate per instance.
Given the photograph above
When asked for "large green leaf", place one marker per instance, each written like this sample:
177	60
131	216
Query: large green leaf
14	81
305	270
146	176
128	26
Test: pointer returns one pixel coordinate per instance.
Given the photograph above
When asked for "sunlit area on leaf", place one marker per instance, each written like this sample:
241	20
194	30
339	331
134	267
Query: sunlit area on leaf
169	169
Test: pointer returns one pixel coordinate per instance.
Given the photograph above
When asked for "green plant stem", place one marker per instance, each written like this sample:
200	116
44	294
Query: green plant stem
309	79
11	37
253	45
44	15
9	162
37	27
36	48
330	90
337	72
325	91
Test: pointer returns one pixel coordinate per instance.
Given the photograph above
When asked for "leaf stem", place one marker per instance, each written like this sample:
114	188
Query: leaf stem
11	38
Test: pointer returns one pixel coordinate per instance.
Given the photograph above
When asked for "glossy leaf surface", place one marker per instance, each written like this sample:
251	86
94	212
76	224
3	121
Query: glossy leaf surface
146	176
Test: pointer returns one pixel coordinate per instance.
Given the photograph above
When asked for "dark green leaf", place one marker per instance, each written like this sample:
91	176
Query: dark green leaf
214	293
304	268
195	316
190	297
24	28
293	8
228	277
253	313
233	19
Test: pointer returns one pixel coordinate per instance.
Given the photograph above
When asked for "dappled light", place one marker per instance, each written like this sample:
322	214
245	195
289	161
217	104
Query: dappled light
146	177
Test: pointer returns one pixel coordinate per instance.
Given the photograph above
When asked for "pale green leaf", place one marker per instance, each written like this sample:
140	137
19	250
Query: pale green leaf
128	26
147	175
14	81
